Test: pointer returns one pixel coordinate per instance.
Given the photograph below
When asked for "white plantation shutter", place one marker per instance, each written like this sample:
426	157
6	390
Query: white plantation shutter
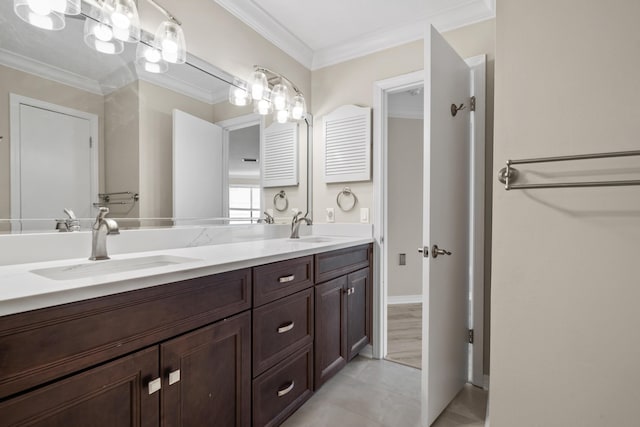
347	136
280	155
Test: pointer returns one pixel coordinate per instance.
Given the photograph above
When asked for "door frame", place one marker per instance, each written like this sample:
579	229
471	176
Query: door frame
15	101
381	89
227	126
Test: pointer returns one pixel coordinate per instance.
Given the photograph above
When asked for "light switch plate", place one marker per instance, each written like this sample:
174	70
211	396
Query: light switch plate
331	215
364	215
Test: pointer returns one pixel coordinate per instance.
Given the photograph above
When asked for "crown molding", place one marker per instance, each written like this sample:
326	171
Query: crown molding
265	25
183	87
451	19
49	72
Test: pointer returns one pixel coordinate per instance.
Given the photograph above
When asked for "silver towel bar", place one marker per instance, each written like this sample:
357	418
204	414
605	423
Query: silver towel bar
508	175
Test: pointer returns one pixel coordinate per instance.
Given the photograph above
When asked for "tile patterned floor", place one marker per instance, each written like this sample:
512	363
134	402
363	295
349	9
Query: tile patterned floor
379	393
404	339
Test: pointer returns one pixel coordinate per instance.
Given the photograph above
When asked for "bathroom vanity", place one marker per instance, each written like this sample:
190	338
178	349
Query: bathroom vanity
245	346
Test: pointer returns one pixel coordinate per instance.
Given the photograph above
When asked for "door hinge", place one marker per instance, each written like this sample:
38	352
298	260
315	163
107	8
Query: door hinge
472	103
90	142
470	336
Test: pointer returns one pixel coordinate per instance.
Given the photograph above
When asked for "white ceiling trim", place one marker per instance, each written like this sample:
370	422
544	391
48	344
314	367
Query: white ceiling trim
46	71
374	42
265	25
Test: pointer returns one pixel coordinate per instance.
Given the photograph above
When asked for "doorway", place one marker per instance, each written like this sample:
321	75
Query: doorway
473	167
54	162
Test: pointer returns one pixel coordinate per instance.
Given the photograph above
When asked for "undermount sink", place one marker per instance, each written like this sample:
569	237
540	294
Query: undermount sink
100	268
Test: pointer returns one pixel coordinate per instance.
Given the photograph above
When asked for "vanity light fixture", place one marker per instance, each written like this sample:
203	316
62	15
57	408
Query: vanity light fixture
46	14
270	92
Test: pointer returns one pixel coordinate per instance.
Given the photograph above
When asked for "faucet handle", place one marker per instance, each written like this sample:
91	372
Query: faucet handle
70	213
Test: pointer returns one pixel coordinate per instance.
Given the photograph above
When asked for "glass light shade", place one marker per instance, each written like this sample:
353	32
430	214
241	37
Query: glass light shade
170	39
299	108
279	96
262	107
282	116
149	58
239	94
124	19
98	35
259	84
68	7
39	13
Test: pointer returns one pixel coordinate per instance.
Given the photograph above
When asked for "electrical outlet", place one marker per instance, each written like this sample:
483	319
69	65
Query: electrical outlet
364	215
331	215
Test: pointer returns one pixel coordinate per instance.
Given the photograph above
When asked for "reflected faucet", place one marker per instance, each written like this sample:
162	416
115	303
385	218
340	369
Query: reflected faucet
295	224
268	219
71	223
99	232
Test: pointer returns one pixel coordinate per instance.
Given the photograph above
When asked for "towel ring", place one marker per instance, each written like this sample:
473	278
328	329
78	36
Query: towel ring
346	191
277	201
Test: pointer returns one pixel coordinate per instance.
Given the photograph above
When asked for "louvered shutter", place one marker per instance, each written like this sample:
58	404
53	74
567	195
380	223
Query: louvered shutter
280	155
347	136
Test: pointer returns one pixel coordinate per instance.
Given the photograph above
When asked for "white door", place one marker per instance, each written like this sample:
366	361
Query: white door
446	224
53	166
199	172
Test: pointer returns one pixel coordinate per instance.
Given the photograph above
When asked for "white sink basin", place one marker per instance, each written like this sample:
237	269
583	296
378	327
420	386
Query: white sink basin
100	268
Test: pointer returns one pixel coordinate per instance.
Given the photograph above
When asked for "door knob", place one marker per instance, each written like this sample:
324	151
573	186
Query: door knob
435	251
424	251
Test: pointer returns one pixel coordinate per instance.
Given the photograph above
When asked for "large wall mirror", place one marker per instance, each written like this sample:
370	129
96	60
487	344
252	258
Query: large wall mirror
82	129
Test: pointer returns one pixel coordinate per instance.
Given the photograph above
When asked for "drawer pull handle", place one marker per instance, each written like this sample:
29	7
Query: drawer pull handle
174	377
287	389
155	385
285	279
286	328
350	291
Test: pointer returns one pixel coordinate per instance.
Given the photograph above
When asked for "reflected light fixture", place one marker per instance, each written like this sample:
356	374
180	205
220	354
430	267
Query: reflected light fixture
108	25
270	93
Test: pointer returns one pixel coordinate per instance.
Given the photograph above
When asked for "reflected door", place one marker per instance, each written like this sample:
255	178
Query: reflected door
54	168
199	171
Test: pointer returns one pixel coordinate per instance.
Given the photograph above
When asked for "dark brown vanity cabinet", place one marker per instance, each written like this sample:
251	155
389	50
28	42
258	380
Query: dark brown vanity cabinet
190	364
283	319
343	309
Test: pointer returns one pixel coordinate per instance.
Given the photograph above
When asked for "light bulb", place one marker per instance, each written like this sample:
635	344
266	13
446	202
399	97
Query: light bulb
150	60
238	93
103	32
282	116
263	107
99	35
258	84
152	55
170	38
279	96
299	107
41	21
41	7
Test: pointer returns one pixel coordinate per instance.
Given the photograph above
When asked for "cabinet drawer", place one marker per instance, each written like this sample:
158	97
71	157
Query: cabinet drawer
277	280
43	345
333	264
283	389
281	327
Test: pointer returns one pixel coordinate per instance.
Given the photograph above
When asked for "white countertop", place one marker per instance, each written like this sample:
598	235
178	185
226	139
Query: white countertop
21	290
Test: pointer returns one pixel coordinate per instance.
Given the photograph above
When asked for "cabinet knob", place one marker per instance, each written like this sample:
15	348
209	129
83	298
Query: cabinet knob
350	291
284	391
285	279
286	328
174	377
154	385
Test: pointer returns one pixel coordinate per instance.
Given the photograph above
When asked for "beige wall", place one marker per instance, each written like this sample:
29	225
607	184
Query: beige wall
122	152
564	344
351	82
20	83
406	138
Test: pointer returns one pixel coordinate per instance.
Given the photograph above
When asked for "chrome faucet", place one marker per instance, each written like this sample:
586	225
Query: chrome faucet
295	224
268	219
71	223
99	232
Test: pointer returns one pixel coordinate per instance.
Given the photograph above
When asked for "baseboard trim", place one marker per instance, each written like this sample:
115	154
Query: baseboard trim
404	299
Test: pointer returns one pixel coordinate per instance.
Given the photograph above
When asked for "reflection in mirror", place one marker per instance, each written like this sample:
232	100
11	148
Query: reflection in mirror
82	129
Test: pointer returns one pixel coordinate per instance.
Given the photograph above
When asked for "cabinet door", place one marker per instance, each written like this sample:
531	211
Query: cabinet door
331	322
206	375
358	311
115	394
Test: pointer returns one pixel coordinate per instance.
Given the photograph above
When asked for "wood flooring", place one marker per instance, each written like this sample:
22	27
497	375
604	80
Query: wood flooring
404	336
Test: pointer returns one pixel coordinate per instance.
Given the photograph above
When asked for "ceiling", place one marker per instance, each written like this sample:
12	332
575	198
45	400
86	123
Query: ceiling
327	32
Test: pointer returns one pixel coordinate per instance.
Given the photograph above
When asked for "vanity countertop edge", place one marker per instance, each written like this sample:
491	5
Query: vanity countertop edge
21	290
